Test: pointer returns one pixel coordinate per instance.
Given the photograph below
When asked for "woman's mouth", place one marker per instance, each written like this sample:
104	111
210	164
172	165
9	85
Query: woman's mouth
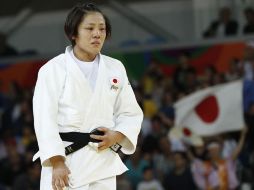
96	43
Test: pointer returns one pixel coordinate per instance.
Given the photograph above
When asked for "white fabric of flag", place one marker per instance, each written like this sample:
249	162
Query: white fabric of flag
213	110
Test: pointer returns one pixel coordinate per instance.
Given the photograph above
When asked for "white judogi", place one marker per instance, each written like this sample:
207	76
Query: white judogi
64	101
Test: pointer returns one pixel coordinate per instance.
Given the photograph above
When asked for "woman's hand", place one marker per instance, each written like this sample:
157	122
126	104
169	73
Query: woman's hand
108	139
60	173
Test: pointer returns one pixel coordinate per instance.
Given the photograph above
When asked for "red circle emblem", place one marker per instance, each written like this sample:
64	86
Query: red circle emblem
115	81
186	132
208	109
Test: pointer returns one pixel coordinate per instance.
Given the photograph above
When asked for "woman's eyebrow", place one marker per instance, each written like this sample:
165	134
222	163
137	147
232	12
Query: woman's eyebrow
93	24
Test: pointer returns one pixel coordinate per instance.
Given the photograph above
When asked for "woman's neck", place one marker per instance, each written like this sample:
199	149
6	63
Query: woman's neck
83	56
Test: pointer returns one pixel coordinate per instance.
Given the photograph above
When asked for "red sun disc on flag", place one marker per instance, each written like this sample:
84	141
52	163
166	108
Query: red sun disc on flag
208	109
186	132
114	80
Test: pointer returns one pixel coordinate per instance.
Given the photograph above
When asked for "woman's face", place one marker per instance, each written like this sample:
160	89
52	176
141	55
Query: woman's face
91	34
214	153
179	161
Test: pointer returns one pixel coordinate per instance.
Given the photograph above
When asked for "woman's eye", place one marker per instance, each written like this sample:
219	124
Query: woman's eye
102	29
89	28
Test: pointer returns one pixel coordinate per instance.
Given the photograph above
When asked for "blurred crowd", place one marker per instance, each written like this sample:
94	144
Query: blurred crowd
223	162
226	25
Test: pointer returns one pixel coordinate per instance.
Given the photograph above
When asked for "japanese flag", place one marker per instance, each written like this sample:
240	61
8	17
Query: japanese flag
213	110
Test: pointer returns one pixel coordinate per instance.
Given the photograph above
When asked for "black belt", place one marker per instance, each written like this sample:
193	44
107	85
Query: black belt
80	140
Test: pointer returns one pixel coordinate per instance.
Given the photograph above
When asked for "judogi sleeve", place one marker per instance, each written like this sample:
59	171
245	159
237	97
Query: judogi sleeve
45	107
128	116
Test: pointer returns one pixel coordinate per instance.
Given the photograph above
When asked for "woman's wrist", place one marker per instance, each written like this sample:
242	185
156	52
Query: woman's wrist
118	137
57	161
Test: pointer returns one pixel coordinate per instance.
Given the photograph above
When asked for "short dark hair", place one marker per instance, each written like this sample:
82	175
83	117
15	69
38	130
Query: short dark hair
75	16
183	154
146	168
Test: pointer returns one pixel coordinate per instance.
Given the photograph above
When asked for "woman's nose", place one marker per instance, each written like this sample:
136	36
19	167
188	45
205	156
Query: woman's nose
96	33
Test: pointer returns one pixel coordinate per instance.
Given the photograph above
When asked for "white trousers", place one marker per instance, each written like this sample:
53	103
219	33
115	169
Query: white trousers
104	184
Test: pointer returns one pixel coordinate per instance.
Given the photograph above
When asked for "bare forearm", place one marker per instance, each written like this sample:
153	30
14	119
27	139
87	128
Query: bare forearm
240	144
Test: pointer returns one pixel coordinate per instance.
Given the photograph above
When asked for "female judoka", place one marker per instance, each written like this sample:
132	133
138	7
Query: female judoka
84	109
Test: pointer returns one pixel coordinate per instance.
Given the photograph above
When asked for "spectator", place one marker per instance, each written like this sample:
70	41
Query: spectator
166	111
181	176
251	169
150	142
228	145
5	48
218	173
136	165
149	106
29	180
158	89
30	151
182	71
199	151
191	82
152	74
28	135
123	183
233	72
149	182
218	78
21	116
163	159
139	96
223	26
12	165
249	26
247	64
208	76
249	119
